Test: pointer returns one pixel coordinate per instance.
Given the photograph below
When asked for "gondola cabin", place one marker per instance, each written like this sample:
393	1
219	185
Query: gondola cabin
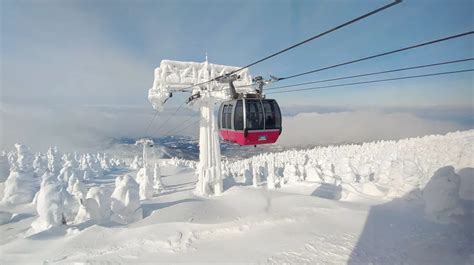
250	121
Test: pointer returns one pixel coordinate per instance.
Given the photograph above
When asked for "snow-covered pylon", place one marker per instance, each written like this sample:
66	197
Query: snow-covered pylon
209	169
158	185
173	76
146	143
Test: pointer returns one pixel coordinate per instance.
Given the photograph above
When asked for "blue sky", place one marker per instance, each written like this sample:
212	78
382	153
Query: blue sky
77	73
104	52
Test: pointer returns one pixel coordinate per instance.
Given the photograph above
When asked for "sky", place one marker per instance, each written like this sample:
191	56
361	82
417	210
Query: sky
75	56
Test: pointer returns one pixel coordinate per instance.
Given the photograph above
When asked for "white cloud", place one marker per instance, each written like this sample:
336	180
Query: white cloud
358	126
85	128
91	128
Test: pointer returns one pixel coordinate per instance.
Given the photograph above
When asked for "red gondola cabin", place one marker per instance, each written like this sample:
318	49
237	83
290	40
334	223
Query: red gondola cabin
250	121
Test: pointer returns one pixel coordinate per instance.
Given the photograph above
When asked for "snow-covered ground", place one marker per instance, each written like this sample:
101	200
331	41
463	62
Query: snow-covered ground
410	201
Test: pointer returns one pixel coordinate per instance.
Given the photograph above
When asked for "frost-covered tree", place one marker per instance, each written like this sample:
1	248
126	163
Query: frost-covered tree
441	195
271	183
95	207
40	165
21	185
125	201
88	210
103	201
12	158
94	165
248	173
145	180
256	173
4	166
76	188
135	163
50	204
66	172
106	163
54	160
291	173
84	169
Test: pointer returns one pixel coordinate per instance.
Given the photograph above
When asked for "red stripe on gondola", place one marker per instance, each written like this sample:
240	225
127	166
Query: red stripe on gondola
252	138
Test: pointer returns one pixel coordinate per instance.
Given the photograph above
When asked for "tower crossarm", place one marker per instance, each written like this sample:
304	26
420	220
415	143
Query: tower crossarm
176	76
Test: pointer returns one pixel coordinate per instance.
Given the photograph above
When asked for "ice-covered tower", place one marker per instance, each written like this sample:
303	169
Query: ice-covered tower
158	185
146	144
174	76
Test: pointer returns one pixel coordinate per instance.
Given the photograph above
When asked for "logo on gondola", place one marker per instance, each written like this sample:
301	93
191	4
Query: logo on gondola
262	138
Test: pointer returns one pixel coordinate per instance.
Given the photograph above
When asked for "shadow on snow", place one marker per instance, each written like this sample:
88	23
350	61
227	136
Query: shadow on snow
398	232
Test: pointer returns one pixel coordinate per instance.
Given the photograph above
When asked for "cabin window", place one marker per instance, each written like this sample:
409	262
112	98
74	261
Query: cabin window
219	120
223	118
272	114
239	116
254	114
228	116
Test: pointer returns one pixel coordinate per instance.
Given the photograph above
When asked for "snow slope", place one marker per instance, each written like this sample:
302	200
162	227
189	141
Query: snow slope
378	218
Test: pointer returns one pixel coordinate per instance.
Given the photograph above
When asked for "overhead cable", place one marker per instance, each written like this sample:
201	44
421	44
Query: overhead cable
373	81
373	73
302	42
380	54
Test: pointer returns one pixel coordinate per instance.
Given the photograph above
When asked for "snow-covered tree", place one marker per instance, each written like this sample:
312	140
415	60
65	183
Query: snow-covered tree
105	163
12	158
54	160
85	170
4	167
94	165
21	185
256	173
125	201
50	204
66	172
271	185
248	173
40	165
103	201
145	180
291	173
441	195
95	207
76	188
135	163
